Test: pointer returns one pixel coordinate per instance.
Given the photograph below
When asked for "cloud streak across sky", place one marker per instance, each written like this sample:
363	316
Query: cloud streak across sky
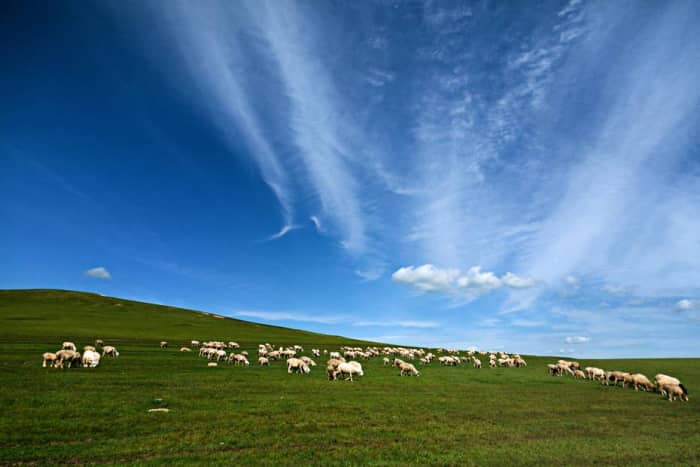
561	147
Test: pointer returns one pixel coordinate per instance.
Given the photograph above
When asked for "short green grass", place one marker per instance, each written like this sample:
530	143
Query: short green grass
227	415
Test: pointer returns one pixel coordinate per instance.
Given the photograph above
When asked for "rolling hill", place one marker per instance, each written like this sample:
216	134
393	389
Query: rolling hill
261	415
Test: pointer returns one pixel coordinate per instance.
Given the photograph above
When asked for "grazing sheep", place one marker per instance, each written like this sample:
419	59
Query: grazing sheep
111	351
335	355
662	378
331	366
348	368
594	373
194	343
615	377
185	349
408	369
564	367
316	353
386	361
99	342
88	347
308	361
263	361
477	363
578	374
553	369
297	365
240	359
220	354
663	381
638	380
69	346
67	356
212	364
91	359
163	344
49	357
674	391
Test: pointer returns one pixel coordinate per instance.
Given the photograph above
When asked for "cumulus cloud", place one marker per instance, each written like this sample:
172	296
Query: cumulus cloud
688	304
428	278
577	339
516	282
99	273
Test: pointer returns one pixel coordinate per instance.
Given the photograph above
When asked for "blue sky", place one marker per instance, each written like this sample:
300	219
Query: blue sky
519	176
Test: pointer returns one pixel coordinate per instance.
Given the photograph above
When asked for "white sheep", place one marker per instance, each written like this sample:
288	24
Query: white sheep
674	391
263	361
91	359
185	349
297	365
349	368
49	357
69	346
408	369
163	344
67	356
110	350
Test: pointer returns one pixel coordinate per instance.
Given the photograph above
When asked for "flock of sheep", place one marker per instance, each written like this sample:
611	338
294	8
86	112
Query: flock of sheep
69	357
337	366
667	386
343	363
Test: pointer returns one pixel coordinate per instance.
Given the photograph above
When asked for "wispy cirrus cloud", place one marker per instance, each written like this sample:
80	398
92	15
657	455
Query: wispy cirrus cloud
688	304
399	323
206	36
289	316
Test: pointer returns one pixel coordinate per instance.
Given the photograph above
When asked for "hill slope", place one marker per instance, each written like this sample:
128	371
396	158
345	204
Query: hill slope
262	415
65	315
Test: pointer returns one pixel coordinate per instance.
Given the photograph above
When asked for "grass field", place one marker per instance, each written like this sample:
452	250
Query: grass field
253	415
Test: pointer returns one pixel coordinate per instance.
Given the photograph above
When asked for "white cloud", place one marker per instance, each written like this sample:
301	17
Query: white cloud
528	323
369	274
615	289
400	323
688	304
428	278
571	281
99	273
516	282
288	316
577	339
317	223
316	120
283	231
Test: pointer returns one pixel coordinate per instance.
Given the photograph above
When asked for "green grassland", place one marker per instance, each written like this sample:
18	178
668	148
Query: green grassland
254	415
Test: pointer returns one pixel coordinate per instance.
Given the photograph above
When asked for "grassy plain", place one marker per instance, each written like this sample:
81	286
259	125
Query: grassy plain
254	415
